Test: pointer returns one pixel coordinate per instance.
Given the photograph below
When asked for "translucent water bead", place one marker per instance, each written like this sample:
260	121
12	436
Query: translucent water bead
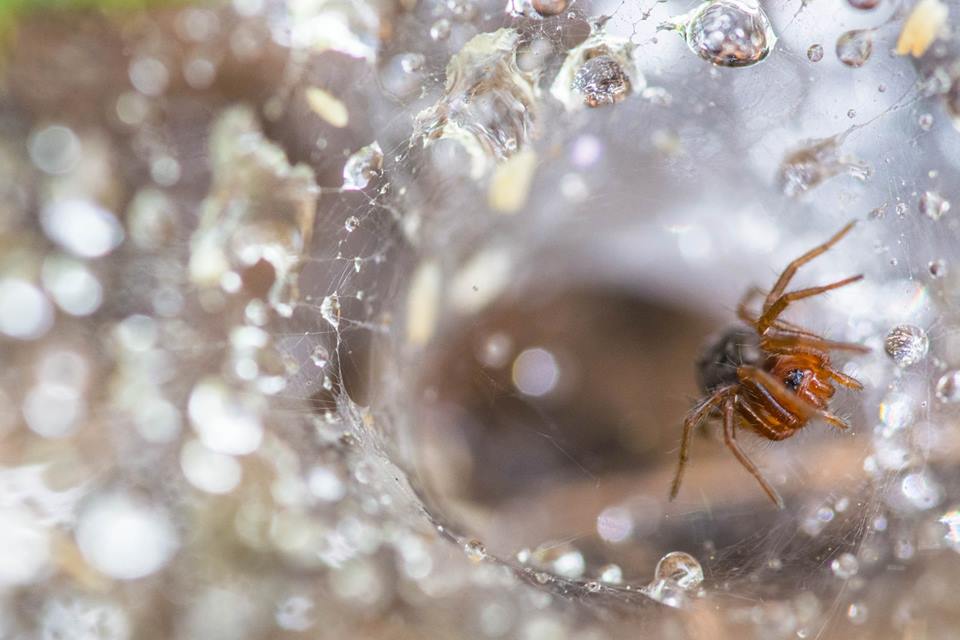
727	33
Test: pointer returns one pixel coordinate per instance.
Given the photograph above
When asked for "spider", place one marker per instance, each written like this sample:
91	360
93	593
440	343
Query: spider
772	377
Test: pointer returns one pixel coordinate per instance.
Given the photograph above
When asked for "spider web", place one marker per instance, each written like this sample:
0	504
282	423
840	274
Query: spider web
469	404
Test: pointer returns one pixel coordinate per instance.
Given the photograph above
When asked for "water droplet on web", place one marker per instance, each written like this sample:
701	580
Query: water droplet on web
937	268
907	344
815	53
550	7
845	566
320	356
440	30
817	521
851	113
562	559
412	62
362	167
857	613
933	205
816	161
925	121
611	574
296	613
895	412
948	387
901	209
727	33
351	224
536	8
330	310
951	519
599	71
854	47
475	550
681	568
489	104
921	490
677	576
601	81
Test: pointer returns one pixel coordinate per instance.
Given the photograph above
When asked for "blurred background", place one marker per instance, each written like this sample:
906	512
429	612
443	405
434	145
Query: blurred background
380	318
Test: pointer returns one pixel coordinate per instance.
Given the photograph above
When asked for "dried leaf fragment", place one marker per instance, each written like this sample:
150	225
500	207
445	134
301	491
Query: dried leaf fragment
328	107
922	28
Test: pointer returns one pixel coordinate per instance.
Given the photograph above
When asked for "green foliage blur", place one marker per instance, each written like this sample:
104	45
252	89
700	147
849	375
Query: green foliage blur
12	10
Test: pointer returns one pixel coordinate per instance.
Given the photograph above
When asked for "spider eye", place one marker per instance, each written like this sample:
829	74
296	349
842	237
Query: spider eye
793	379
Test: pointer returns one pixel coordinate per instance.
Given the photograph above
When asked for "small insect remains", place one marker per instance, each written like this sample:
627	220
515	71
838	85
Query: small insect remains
772	376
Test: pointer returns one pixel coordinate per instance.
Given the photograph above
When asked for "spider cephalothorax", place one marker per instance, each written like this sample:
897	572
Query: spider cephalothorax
771	376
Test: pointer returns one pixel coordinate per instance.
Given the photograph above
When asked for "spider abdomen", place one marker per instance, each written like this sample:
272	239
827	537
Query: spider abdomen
718	362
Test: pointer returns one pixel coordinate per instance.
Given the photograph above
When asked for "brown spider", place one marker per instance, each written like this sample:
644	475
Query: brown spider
773	377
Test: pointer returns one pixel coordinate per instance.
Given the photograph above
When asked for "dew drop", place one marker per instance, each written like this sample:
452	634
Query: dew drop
475	550
925	121
351	224
727	33
330	310
677	576
901	209
817	161
815	53
857	613
948	387
906	344
611	574
562	559
854	47
682	568
845	566
937	268
933	205
440	30
602	81
362	167
550	7
320	356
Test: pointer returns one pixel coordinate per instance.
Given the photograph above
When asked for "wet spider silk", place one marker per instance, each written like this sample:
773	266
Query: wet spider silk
382	318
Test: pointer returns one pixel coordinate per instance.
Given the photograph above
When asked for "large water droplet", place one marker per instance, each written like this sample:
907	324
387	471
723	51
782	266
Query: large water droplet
599	71
854	47
727	33
489	104
602	81
677	576
906	344
815	53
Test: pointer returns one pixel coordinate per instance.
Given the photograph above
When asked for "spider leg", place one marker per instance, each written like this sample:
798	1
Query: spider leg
774	310
730	438
844	379
743	312
786	342
695	417
791	269
778	396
